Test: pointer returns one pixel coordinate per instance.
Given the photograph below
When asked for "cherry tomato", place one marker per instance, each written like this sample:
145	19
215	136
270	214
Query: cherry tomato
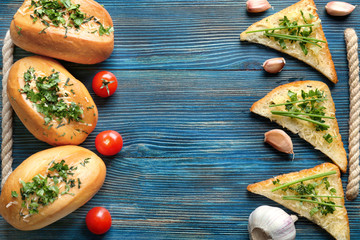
104	84
108	142
98	220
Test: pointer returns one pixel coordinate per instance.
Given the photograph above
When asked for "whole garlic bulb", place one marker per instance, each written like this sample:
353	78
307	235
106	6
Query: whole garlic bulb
271	223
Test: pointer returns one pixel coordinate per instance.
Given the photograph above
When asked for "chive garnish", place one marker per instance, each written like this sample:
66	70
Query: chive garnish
298	101
311	201
301	118
303	180
319	196
301	113
280	28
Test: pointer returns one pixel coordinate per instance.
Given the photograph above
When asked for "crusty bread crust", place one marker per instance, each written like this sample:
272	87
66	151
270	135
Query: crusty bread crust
337	224
72	132
92	176
306	130
322	61
79	46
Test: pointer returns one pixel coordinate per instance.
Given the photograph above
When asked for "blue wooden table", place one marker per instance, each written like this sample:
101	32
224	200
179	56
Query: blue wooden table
191	146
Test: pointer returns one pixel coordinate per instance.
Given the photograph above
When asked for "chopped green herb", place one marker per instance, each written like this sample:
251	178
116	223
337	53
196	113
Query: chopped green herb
328	138
61	124
14	194
19	30
91	107
47	99
103	30
67	82
86	160
276	182
314	210
79	183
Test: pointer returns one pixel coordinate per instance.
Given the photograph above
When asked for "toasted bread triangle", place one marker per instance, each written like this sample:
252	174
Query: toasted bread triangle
318	58
306	130
336	223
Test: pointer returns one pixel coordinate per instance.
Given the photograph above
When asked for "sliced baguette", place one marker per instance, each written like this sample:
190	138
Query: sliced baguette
306	130
337	223
318	58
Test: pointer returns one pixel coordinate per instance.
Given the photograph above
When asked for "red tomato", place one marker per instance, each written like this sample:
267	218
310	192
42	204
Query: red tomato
98	220
104	84
108	142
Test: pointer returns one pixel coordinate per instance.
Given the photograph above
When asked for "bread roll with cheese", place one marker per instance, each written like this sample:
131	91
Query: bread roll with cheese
54	106
27	208
80	31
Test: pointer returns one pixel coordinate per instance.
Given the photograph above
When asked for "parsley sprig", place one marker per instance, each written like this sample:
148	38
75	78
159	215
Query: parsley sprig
47	100
309	109
295	33
63	13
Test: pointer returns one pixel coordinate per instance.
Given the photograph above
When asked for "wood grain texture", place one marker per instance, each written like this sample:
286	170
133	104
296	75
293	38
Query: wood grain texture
191	146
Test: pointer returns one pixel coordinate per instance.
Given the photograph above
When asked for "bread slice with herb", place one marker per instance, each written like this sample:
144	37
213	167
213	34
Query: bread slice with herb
323	180
314	51
327	141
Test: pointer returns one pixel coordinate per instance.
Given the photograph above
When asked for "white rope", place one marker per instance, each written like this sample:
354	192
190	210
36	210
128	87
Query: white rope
6	124
351	39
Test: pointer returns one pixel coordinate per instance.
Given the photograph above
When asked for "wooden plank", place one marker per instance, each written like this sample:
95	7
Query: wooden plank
191	146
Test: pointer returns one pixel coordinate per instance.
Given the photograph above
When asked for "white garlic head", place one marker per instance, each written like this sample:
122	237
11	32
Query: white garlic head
271	223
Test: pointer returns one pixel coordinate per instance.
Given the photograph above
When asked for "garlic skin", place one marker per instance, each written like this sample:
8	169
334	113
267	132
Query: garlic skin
274	65
257	6
279	140
271	223
339	9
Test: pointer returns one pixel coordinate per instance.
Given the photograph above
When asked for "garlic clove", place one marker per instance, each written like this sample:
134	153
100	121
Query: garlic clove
267	222
337	8
274	65
257	6
279	140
